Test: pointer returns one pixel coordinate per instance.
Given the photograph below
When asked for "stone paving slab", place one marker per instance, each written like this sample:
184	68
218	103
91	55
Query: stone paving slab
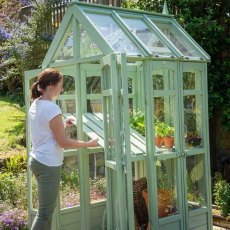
219	228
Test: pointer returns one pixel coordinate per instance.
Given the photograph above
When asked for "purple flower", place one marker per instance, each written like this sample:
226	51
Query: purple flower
13	219
25	2
4	35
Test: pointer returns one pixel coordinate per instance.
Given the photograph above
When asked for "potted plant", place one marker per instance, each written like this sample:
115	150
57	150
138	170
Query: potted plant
169	136
160	128
193	139
165	195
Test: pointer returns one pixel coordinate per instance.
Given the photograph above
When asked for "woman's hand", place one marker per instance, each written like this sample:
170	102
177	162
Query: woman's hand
93	143
69	122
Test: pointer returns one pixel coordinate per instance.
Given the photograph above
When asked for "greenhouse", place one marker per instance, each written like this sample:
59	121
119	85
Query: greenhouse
138	82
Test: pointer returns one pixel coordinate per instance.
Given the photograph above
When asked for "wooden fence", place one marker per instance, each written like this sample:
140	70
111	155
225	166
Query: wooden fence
58	8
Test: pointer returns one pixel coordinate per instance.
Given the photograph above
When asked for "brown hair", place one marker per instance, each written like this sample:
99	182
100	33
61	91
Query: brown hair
47	77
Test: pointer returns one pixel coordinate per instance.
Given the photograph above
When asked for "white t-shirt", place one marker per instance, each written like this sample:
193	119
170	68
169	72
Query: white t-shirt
45	149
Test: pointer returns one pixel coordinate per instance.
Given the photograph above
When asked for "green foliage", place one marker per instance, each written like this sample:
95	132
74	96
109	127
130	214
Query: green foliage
207	21
70	177
15	164
27	42
13	189
162	129
137	122
222	194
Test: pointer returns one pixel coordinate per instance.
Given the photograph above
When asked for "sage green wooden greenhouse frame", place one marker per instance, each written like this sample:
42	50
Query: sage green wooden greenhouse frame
130	154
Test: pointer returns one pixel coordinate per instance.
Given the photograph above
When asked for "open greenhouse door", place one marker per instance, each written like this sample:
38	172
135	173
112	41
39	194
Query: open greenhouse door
117	144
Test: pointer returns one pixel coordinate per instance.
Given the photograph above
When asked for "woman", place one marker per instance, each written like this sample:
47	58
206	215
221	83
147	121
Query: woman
48	140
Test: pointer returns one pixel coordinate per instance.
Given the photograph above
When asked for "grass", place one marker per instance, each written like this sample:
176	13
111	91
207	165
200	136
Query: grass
12	118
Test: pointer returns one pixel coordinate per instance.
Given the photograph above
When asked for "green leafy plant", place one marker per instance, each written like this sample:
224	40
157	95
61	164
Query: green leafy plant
222	194
169	131
137	122
160	128
15	164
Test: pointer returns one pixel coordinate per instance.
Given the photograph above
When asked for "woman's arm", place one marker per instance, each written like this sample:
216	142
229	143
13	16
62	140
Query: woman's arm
57	127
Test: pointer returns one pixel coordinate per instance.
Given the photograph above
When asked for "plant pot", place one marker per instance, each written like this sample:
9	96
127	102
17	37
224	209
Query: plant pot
159	141
168	142
193	141
164	201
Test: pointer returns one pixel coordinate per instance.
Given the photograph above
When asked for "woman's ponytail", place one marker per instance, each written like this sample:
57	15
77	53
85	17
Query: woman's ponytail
35	93
47	77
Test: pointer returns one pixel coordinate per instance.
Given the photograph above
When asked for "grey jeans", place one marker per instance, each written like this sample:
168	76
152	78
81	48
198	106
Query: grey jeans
48	181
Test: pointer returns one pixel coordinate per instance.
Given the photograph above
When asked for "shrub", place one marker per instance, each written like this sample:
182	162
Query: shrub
13	190
222	194
15	164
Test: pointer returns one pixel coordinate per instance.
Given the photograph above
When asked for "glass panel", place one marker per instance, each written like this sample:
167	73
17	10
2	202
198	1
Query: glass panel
111	129
108	109
97	177
66	53
93	85
193	121
68	85
196	188
94	106
130	85
113	34
87	46
67	106
139	187
147	36
166	188
164	79
69	186
164	109
177	39
192	80
131	104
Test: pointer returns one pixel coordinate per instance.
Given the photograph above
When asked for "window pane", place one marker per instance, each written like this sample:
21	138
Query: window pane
66	53
93	85
97	177
147	36
193	121
69	186
192	80
196	190
113	34
87	46
94	106
177	39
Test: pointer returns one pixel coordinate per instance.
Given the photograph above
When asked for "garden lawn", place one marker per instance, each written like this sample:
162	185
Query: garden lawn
12	118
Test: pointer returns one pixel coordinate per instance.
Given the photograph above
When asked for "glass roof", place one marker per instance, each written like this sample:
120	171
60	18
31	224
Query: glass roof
66	52
141	33
113	34
88	47
153	43
179	41
102	30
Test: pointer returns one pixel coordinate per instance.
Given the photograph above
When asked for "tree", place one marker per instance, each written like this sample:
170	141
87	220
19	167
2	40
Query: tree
208	22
